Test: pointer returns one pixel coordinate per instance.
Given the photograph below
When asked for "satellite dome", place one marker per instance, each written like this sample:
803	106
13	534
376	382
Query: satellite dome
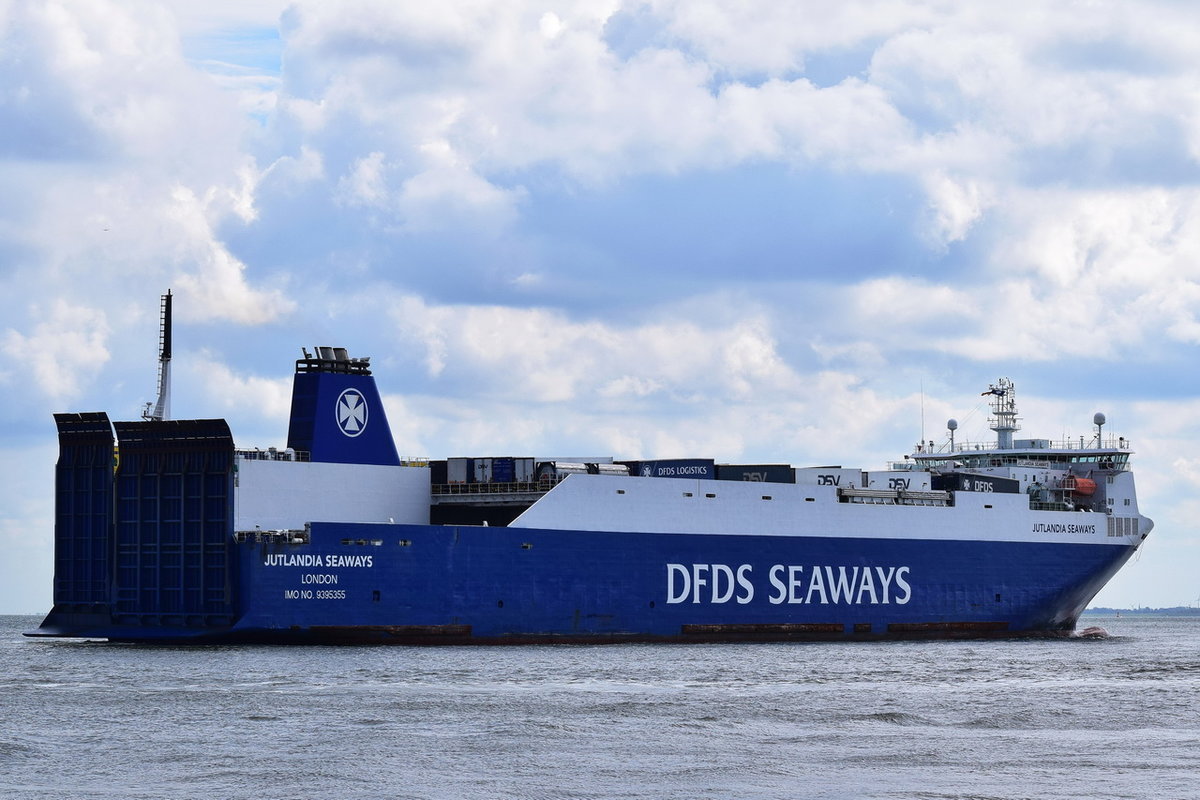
952	424
1098	419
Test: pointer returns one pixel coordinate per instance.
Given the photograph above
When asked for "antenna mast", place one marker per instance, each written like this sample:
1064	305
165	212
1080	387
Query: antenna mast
162	408
1004	412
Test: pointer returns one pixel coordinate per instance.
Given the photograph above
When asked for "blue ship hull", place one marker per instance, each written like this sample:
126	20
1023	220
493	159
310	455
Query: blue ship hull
478	585
511	585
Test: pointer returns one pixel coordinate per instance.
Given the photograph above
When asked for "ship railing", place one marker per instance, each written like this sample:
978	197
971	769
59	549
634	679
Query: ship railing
273	454
1052	505
493	487
288	454
1077	443
299	536
895	497
343	366
968	464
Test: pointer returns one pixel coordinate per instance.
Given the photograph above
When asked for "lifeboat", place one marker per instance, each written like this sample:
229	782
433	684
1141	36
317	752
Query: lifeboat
1085	487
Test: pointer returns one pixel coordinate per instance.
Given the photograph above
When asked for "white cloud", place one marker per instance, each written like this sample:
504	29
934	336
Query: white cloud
449	196
742	39
512	97
251	396
213	284
666	388
131	190
224	15
955	205
296	170
1122	266
550	25
365	184
559	359
64	350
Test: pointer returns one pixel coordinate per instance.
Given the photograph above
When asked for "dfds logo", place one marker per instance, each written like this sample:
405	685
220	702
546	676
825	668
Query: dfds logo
352	412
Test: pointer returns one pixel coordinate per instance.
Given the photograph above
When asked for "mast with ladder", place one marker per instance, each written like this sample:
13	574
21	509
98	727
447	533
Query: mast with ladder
161	409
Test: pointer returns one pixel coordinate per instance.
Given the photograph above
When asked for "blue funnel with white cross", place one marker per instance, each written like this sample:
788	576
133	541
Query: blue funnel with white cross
337	414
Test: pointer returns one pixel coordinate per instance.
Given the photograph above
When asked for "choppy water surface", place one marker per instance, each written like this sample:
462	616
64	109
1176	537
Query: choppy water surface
1110	718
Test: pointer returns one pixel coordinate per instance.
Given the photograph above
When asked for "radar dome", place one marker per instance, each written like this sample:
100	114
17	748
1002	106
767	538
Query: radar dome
1098	419
952	424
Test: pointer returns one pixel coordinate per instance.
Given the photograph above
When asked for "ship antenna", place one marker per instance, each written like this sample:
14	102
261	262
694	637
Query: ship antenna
1004	412
922	384
162	408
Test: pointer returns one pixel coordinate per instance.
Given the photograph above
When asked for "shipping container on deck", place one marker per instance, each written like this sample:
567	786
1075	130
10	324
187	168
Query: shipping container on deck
483	470
701	468
766	473
906	480
502	469
557	470
459	470
523	470
969	482
840	477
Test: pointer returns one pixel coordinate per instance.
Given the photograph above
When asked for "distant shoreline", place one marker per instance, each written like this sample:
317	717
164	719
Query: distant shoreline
1175	611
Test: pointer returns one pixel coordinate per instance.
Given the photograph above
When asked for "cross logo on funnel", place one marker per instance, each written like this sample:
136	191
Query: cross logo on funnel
352	412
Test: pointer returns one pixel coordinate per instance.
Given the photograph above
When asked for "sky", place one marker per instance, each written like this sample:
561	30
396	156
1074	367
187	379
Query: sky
793	232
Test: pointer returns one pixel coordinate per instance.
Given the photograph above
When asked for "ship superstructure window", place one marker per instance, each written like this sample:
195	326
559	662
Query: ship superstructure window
687	494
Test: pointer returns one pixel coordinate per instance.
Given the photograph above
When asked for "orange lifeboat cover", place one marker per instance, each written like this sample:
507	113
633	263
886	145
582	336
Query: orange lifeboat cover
1083	486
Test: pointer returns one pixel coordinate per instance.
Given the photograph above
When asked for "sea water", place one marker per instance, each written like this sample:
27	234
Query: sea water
1115	717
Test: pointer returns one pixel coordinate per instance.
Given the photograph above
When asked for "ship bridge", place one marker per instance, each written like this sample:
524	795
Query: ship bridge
1096	453
1074	474
1112	455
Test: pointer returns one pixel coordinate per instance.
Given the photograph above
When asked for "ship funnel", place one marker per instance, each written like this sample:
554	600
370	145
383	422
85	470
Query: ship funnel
337	414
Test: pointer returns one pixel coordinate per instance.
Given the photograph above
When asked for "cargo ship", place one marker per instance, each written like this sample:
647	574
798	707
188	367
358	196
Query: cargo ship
166	532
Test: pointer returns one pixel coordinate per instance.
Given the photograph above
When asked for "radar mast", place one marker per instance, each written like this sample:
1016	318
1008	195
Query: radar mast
1004	412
